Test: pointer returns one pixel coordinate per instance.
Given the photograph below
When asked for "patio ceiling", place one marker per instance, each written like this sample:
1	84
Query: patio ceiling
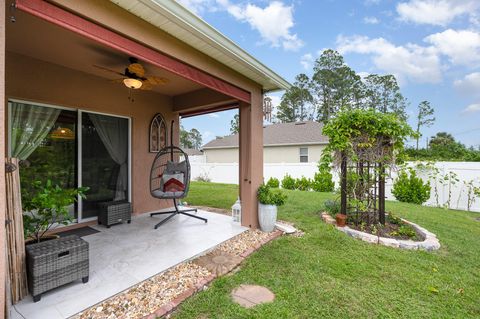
34	37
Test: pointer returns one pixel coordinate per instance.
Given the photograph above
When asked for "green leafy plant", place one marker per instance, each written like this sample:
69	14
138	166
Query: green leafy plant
273	182
404	230
267	196
288	182
332	207
411	189
46	206
393	219
322	182
302	184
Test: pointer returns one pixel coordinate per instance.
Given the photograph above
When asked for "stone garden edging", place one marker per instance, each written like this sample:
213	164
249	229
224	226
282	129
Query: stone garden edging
430	243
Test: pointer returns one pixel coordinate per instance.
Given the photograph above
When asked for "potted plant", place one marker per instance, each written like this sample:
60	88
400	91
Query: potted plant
268	200
341	219
45	206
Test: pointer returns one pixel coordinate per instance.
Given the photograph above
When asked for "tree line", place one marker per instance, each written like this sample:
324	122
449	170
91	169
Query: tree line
334	86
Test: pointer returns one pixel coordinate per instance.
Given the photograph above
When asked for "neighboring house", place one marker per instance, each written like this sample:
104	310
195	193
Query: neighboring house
300	142
70	108
195	156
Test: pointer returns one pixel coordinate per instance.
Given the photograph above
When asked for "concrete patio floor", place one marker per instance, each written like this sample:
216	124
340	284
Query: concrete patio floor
127	254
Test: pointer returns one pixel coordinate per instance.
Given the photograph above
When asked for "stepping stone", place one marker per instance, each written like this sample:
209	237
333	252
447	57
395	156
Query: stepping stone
286	228
218	262
249	296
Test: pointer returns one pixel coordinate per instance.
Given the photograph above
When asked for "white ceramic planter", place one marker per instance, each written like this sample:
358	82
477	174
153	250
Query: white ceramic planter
267	217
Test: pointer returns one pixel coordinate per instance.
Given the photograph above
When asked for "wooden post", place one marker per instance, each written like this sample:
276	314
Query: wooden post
343	184
3	275
251	158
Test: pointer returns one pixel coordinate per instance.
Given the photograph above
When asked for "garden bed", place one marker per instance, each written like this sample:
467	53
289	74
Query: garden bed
427	240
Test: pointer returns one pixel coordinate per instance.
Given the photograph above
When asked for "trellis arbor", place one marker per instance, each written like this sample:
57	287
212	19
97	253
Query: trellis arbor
365	143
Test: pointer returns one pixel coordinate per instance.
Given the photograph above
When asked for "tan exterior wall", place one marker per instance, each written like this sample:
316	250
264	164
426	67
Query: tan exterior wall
38	81
271	154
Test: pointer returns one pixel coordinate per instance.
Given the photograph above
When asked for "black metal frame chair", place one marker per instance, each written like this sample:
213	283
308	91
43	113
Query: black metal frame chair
170	156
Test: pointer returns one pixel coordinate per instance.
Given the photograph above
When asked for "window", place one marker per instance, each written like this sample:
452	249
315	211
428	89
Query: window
303	154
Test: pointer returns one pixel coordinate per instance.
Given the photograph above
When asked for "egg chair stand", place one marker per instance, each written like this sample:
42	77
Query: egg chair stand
170	179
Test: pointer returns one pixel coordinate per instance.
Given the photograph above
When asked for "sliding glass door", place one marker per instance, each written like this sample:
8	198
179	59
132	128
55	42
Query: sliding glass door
71	148
104	160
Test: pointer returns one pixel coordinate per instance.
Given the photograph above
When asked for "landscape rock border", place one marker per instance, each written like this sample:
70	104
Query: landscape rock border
430	243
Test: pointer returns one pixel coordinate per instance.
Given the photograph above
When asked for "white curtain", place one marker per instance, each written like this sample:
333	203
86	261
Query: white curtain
112	132
30	125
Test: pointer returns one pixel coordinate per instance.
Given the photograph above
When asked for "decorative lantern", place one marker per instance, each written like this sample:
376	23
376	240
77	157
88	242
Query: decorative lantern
237	211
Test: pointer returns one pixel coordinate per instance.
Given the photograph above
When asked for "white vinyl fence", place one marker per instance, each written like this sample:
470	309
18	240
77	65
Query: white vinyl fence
464	171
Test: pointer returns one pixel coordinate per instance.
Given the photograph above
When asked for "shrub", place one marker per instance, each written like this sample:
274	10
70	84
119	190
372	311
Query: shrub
302	184
267	196
393	219
288	182
332	207
404	230
273	182
410	188
322	182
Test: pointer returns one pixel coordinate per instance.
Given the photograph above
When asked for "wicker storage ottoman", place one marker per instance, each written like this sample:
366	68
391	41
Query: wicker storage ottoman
56	262
114	212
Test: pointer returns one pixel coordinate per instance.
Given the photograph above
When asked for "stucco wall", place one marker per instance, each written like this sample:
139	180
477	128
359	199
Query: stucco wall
271	154
39	81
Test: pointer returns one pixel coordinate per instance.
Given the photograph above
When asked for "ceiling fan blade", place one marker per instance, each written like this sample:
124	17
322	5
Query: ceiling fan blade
155	80
108	70
146	86
137	69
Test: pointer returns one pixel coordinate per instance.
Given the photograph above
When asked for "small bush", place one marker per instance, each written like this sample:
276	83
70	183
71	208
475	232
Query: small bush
203	177
410	188
273	182
267	196
288	182
302	184
332	207
404	230
393	219
322	182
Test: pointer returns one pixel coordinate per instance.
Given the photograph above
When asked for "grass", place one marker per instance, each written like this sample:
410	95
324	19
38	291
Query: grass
326	274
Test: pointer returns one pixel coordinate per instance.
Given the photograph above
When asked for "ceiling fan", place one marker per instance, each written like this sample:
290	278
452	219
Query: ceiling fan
134	76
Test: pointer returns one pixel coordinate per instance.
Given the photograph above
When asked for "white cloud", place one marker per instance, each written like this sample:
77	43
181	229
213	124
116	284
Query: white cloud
306	61
462	47
363	75
371	20
469	85
435	12
274	22
472	108
213	115
408	63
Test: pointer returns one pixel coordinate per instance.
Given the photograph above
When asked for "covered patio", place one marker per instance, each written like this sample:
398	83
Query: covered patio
69	57
125	255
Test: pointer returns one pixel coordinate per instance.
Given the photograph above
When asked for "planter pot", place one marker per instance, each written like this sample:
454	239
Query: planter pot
267	217
341	220
31	241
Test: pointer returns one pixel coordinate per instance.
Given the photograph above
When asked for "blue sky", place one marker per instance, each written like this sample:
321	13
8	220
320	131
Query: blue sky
431	46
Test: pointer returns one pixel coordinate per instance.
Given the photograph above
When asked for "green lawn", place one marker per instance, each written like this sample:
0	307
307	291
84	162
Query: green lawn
326	274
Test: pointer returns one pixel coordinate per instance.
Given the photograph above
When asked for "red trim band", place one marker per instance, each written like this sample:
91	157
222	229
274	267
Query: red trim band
209	110
72	22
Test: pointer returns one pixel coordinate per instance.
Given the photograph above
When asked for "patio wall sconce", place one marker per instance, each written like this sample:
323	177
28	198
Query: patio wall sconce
132	83
237	211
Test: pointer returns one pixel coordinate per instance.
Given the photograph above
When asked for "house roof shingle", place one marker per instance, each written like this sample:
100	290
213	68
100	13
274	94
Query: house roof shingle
298	133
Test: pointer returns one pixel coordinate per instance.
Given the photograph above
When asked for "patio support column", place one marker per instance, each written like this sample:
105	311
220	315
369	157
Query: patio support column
3	275
251	158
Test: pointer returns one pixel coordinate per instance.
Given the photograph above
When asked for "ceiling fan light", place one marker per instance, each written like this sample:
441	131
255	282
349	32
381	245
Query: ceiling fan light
132	83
